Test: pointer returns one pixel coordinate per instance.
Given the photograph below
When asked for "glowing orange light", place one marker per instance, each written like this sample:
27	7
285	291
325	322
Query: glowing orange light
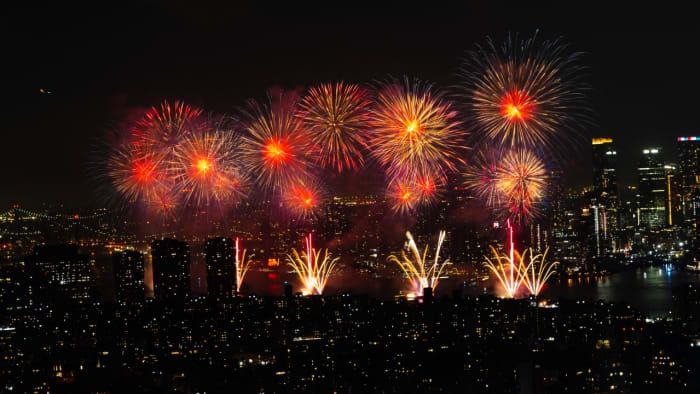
203	165
144	171
275	151
517	106
513	111
413	126
406	196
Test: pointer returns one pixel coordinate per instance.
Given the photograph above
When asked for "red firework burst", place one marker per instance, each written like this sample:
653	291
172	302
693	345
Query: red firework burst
163	128
303	199
275	149
206	169
136	175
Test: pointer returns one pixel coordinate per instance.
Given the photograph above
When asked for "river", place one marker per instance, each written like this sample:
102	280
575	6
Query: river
648	289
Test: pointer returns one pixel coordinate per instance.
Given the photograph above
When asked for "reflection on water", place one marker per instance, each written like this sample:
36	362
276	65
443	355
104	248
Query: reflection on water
648	289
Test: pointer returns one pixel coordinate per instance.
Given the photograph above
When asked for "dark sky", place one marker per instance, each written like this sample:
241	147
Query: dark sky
102	64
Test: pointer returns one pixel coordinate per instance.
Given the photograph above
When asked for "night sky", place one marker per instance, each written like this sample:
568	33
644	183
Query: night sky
103	65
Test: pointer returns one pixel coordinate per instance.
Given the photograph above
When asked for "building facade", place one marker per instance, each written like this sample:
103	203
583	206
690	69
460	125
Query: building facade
129	275
171	268
221	267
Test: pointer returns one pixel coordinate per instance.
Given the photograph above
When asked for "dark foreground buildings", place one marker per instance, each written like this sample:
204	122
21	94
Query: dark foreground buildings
51	342
171	268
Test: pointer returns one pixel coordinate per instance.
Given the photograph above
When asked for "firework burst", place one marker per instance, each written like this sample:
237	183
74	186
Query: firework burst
312	267
521	180
525	92
205	169
406	194
512	182
162	128
137	176
482	176
421	272
335	118
303	199
276	148
414	131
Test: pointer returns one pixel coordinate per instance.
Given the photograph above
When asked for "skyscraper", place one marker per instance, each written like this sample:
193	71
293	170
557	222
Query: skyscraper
605	203
604	169
689	174
221	267
128	275
171	268
674	207
653	189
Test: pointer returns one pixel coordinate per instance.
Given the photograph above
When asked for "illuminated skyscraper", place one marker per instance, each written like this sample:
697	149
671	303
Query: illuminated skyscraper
689	174
605	170
171	268
128	275
653	190
674	206
221	267
606	201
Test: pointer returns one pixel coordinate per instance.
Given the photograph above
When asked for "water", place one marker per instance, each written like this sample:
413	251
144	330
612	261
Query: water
648	289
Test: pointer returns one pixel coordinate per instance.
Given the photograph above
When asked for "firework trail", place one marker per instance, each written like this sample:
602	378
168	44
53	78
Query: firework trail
526	92
312	267
275	148
537	271
508	271
414	132
205	169
335	117
421	272
242	266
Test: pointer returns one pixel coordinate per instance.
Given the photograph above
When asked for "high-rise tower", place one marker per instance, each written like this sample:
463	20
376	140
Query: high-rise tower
221	267
171	268
653	189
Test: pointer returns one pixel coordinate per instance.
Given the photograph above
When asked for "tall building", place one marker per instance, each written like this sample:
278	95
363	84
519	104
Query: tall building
652	189
689	174
65	270
129	275
605	202
171	268
674	204
221	267
604	170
